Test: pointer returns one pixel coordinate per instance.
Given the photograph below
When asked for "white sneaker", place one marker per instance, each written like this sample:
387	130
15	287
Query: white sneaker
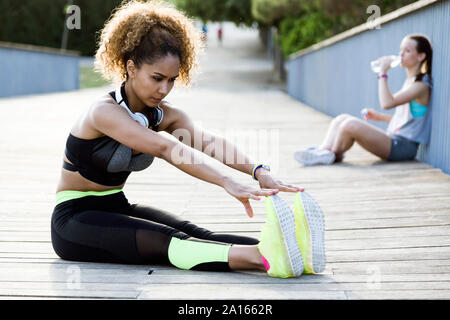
312	156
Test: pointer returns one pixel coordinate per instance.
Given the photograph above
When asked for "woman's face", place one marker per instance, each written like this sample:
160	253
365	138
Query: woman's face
153	82
408	53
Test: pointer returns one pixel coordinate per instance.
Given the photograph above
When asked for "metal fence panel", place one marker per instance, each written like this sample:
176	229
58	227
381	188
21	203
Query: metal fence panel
34	72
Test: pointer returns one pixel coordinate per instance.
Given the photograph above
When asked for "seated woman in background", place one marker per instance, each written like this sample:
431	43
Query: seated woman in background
409	126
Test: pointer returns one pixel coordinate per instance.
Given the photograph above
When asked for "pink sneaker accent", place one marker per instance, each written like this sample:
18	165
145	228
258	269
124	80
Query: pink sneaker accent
266	263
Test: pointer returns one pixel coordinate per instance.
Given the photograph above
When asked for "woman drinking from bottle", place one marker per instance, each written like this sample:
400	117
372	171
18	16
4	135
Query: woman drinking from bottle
408	127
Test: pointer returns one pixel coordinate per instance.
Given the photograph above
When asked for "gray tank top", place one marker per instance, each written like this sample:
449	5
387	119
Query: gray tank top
412	120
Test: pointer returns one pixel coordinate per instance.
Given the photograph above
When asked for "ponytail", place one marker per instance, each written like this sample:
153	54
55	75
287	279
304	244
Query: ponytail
424	46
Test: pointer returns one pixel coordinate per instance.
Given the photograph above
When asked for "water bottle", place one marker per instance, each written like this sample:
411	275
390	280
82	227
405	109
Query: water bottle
376	66
365	112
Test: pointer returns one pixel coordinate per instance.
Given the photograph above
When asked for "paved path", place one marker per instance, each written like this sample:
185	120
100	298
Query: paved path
387	224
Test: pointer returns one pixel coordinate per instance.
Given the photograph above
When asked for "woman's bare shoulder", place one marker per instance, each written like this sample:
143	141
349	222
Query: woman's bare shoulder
105	99
84	127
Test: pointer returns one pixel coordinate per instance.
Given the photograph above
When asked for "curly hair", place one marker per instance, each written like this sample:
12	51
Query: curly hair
145	31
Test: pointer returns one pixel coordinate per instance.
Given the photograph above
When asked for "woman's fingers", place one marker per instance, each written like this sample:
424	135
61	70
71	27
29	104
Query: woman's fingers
252	196
288	187
248	208
246	195
267	192
291	188
257	194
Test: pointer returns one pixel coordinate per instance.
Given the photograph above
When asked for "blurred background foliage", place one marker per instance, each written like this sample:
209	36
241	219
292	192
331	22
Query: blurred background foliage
237	11
41	22
318	20
299	23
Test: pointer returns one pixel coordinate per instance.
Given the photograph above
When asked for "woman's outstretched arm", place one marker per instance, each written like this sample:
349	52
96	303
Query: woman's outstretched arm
220	149
114	121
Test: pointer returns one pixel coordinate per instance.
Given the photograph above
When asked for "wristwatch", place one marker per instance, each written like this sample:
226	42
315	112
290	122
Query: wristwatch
264	166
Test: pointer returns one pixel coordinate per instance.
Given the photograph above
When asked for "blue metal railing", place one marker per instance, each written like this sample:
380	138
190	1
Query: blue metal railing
33	70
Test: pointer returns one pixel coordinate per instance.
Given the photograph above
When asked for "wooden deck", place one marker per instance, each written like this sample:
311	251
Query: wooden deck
387	224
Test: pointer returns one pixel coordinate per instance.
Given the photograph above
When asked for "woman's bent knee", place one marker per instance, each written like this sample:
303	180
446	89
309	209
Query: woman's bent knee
350	125
342	117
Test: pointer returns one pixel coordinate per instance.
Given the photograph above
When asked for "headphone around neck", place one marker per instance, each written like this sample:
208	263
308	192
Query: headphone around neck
139	117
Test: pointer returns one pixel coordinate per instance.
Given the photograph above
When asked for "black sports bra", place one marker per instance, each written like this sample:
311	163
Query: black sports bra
104	160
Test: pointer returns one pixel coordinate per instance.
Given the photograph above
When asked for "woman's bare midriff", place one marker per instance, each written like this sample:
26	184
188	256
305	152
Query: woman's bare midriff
74	181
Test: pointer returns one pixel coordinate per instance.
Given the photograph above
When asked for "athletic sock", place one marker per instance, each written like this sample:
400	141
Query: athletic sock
198	255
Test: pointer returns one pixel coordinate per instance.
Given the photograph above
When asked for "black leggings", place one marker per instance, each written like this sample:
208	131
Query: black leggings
109	229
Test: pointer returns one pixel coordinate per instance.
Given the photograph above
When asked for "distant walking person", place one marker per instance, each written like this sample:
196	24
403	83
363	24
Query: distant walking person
409	126
220	34
204	33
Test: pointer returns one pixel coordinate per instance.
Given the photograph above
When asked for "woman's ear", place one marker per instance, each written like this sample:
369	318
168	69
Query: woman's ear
424	67
131	69
422	56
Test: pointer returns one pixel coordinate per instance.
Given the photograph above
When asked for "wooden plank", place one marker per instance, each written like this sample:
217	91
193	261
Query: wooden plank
123	276
64	265
391	267
27	255
73	273
127	291
415	255
384	233
175	277
43	292
399	295
234	291
389	243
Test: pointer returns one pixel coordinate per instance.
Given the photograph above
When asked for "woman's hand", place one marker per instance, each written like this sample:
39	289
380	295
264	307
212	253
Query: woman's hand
370	114
244	193
266	181
385	64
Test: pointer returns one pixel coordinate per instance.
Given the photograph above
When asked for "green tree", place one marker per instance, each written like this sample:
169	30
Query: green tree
272	12
205	10
237	11
93	17
321	19
298	33
42	22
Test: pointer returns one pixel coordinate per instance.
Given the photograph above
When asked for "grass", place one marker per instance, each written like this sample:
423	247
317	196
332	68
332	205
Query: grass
91	79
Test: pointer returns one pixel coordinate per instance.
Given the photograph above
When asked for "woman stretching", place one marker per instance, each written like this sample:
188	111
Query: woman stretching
147	46
409	126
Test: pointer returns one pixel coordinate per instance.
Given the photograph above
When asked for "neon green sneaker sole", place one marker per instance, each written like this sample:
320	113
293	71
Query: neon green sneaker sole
278	244
309	224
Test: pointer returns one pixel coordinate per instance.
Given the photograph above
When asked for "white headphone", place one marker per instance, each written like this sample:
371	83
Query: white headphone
139	117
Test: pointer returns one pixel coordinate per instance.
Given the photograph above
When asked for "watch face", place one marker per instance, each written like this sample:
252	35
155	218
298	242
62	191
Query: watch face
266	167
